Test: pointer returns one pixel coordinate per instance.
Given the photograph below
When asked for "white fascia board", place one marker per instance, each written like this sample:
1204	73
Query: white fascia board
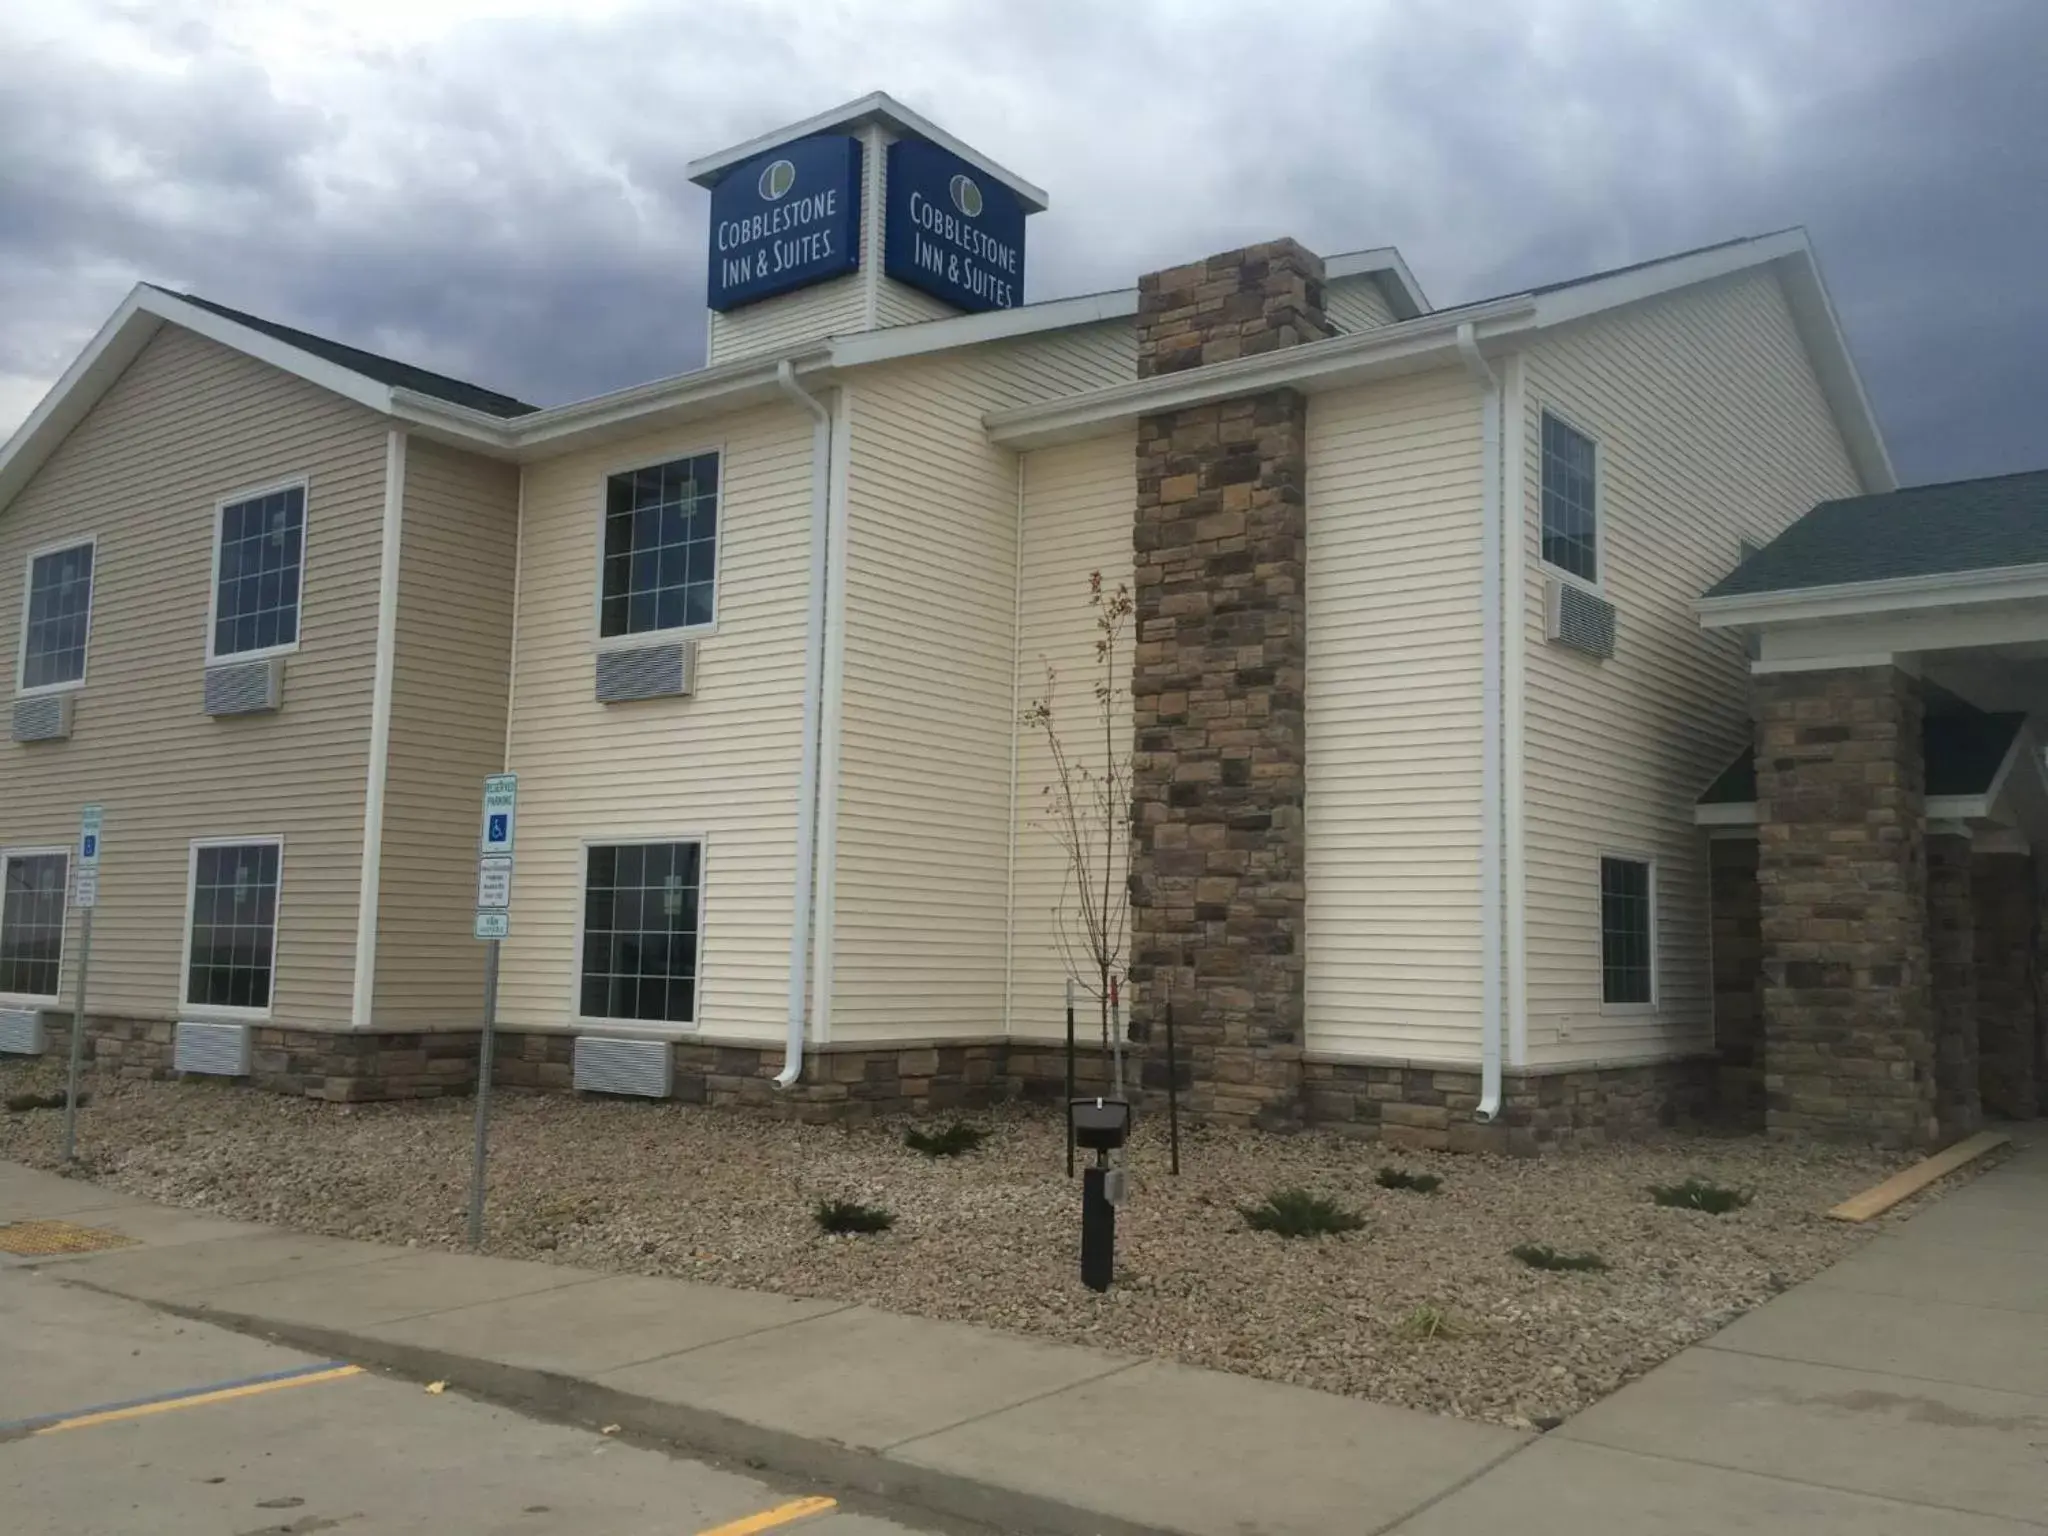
1941	589
1939	808
121	340
1404	294
106	357
730	386
346	382
875	107
1314	365
1813	312
991	325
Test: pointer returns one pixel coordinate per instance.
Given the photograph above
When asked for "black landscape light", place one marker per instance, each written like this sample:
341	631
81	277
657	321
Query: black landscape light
1103	1125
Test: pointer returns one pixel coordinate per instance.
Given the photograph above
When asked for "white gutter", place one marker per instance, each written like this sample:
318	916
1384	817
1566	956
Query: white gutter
369	879
814	673
1490	850
827	855
1841	600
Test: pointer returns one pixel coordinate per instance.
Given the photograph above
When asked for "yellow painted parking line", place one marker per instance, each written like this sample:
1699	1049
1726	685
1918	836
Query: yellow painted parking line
768	1519
198	1399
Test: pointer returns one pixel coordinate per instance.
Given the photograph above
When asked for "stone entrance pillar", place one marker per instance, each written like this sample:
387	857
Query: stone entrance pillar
2002	891
1842	879
1951	945
1221	541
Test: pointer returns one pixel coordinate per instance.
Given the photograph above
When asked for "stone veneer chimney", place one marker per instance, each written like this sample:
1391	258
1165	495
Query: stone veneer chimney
1221	543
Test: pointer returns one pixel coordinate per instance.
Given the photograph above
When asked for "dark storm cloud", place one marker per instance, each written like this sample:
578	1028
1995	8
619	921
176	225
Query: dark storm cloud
507	200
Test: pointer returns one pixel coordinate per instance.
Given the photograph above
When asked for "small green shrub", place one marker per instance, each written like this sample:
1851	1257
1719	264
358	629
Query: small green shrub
851	1216
1401	1178
1433	1322
1297	1213
22	1103
955	1139
1702	1195
1543	1256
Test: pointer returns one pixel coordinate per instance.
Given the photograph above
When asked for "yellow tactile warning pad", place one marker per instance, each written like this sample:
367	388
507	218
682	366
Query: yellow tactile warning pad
42	1239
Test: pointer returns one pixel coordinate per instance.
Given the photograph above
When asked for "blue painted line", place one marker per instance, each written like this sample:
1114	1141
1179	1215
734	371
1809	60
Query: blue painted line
16	1426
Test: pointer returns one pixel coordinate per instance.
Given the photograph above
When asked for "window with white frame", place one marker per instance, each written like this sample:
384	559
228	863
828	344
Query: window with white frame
233	944
641	906
660	548
1628	931
32	897
1570	519
57	617
261	554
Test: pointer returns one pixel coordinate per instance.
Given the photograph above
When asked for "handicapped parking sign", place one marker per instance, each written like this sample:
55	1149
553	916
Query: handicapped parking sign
501	807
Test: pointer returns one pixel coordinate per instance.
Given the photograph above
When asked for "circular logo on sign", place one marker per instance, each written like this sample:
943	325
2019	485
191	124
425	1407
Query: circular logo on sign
967	196
777	179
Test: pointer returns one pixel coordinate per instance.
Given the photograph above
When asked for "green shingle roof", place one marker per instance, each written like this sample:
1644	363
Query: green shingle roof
1926	530
1963	753
384	370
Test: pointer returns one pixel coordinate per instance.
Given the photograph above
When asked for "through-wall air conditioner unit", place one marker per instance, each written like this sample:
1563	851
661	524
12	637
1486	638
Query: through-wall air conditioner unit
607	1064
21	1032
1574	617
245	687
647	672
46	717
212	1050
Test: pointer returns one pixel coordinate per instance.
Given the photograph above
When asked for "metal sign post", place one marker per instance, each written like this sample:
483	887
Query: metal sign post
493	924
85	896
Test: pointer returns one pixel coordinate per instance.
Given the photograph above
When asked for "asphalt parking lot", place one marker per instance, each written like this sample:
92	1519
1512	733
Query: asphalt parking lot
116	1418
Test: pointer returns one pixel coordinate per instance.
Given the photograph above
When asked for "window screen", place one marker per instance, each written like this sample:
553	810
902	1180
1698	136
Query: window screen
234	926
256	599
640	907
1625	931
31	923
1570	540
59	611
660	547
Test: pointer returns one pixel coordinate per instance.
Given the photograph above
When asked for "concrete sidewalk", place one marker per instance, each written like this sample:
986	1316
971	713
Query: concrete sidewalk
1906	1390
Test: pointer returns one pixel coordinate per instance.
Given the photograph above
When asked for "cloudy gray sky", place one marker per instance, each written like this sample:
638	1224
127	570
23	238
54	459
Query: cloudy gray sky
495	188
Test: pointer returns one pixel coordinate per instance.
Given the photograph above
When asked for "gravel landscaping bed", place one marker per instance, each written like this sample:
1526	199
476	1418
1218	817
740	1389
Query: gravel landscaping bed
1424	1306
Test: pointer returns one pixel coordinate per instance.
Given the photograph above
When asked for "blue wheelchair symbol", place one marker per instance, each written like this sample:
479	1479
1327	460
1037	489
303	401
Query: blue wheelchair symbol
498	827
92	847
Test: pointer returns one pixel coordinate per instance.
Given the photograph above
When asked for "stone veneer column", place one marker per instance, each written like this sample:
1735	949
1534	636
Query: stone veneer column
1951	933
2002	890
1737	948
1221	545
1842	878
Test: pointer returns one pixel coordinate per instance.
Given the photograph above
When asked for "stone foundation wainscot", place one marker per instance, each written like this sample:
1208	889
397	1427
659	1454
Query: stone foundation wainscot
1411	1104
342	1068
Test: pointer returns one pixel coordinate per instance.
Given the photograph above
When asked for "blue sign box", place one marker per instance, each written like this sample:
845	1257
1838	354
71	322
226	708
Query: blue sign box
951	230
785	219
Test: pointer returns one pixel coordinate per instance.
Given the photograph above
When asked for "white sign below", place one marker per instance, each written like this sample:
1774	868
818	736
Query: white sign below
87	893
494	882
493	925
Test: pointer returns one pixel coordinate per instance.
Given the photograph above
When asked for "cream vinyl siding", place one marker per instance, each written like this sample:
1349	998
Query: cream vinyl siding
722	763
1356	304
461	526
1394	719
787	320
188	423
895	303
1710	427
930	665
1078	509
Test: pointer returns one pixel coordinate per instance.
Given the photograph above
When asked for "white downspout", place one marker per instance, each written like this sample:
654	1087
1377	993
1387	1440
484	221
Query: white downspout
1491	883
814	674
370	878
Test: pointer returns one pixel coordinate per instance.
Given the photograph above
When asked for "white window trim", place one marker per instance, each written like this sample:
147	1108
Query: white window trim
28	576
1630	1010
190	1010
304	484
599	639
7	856
1598	585
653	1029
